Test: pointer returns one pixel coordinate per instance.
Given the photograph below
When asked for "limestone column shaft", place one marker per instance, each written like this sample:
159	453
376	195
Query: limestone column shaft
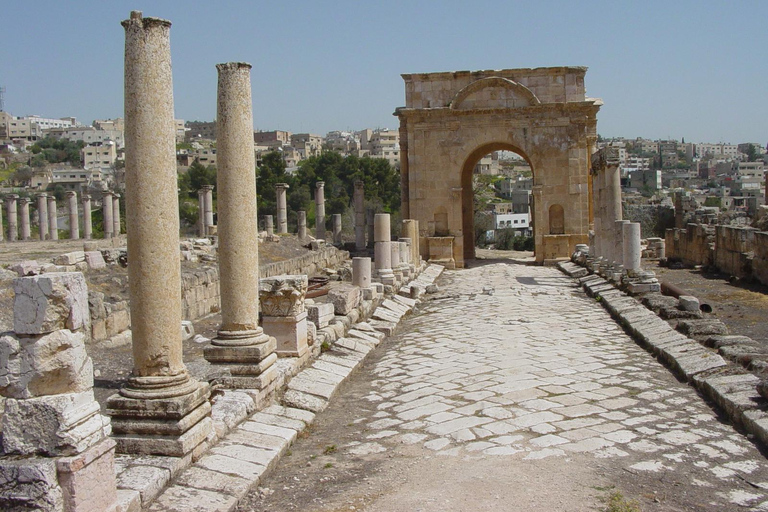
208	209
336	221
369	216
359	200
107	205
152	209
382	247
381	228
25	226
269	224
302	224
411	231
320	210
632	249
382	257
53	222
42	215
87	219
13	223
282	208
74	222
201	212
617	242
116	215
361	272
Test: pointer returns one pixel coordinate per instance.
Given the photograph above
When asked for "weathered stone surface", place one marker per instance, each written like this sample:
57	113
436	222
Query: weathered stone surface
88	480
320	314
70	258
50	302
65	424
688	303
44	365
301	400
26	268
29	484
344	298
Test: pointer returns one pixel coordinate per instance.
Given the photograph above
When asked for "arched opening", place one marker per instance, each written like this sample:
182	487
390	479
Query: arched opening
512	185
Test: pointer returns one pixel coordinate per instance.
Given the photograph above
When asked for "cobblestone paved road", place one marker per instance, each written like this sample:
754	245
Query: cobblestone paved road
514	391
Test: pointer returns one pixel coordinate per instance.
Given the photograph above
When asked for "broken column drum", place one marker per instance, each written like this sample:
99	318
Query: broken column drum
269	225
282	208
382	238
161	409
302	220
13	227
42	215
53	223
320	210
74	223
116	215
25	226
208	209
369	216
106	217
240	342
336	220
411	230
87	220
359	200
361	272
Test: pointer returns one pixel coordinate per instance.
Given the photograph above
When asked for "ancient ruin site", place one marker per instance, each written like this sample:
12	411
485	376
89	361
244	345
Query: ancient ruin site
191	341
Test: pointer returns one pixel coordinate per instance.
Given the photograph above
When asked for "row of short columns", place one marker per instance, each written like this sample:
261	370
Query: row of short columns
19	225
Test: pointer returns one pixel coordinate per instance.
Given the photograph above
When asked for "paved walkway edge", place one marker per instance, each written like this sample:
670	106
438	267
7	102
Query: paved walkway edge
728	386
251	449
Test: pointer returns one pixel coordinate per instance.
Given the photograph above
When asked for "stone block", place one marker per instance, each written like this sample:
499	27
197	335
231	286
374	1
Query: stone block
290	333
26	268
30	484
95	260
49	364
50	302
58	425
320	314
187	330
344	298
70	258
88	480
688	303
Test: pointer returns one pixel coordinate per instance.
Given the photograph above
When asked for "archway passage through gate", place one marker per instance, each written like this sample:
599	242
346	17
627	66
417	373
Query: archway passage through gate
452	119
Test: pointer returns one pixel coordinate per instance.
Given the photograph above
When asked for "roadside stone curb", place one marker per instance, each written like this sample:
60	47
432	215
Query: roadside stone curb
252	443
731	388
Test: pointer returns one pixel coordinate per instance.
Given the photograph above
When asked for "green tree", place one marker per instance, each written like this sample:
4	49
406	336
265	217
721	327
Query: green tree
196	177
268	174
751	153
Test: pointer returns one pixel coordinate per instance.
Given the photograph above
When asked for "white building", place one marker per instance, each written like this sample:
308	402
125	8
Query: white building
520	222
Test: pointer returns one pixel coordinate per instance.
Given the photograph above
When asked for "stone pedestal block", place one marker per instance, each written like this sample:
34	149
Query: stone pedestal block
441	251
49	302
344	298
88	481
95	259
63	424
290	332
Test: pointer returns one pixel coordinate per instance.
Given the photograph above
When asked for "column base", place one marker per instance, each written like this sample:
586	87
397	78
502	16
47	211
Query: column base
242	366
171	426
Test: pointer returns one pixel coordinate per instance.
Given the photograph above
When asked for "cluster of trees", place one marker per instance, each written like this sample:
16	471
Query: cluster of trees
54	151
381	181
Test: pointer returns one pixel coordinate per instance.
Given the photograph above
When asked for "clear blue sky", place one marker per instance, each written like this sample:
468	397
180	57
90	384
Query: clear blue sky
674	68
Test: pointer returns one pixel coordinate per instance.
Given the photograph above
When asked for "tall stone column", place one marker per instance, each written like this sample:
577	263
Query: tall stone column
208	209
302	224
370	213
42	215
87	219
25	226
336	222
240	342
282	208
632	249
201	212
53	220
74	222
2	232
161	409
320	210
116	215
13	223
269	224
106	217
359	200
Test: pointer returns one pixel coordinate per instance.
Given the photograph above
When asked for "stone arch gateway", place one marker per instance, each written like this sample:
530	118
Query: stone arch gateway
452	119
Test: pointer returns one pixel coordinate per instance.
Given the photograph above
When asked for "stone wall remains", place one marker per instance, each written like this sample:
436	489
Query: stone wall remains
734	248
693	245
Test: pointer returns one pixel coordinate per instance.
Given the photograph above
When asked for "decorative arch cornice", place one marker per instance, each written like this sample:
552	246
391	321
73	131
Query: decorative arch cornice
494	82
